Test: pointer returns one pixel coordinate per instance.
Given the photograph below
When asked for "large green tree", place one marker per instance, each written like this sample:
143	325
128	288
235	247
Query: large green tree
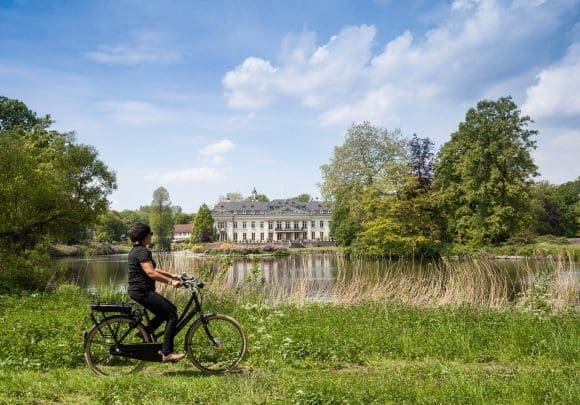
161	219
50	184
556	208
483	174
370	157
110	228
203	229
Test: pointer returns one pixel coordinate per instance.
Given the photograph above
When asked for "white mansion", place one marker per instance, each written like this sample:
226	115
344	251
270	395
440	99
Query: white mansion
277	220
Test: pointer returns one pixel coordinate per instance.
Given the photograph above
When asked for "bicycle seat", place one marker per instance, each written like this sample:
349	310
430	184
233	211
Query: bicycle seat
112	307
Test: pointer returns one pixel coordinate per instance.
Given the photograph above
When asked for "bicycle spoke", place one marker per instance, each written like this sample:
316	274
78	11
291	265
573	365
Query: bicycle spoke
98	346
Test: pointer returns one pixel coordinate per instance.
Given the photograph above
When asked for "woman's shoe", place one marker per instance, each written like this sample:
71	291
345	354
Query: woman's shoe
172	357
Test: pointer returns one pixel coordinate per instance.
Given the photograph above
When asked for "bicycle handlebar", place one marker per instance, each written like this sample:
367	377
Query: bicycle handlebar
189	281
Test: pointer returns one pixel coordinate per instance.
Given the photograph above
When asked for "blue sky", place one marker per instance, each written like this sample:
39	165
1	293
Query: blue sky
207	97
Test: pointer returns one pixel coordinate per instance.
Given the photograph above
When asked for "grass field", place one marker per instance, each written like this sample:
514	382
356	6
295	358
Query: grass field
316	353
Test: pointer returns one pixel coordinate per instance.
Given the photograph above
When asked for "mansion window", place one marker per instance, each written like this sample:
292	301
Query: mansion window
261	235
253	225
244	224
262	224
321	235
235	236
235	225
313	225
313	235
278	224
270	225
253	236
287	224
322	224
244	236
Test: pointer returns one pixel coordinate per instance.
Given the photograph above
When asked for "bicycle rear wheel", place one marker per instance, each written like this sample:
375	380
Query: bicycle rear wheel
215	344
107	333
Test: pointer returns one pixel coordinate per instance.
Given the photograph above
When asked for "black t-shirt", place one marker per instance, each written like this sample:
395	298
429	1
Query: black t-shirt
137	279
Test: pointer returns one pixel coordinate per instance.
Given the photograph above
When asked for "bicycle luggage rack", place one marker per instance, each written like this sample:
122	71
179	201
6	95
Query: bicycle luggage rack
107	307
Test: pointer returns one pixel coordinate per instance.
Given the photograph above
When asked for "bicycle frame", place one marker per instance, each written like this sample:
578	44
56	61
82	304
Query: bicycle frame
148	351
192	308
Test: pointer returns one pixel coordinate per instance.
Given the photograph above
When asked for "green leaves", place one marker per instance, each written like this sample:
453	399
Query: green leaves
483	174
203	230
50	184
161	219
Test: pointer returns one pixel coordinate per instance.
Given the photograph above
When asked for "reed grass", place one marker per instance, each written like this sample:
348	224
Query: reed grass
547	285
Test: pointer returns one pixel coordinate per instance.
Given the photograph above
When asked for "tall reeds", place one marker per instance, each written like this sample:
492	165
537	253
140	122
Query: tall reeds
550	284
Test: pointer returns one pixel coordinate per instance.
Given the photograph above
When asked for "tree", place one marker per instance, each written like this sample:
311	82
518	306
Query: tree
257	197
203	229
15	115
303	197
369	157
110	228
400	224
161	219
50	184
180	217
232	196
422	160
483	174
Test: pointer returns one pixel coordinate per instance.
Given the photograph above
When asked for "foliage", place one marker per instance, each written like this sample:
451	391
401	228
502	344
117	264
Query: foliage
232	196
304	197
50	184
422	160
203	229
161	219
369	157
402	225
483	174
180	217
557	208
110	228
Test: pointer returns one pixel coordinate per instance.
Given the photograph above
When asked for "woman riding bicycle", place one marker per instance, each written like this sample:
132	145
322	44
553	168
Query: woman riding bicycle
142	274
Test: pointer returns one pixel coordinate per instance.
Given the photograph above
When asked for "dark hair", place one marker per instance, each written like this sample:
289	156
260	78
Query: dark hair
139	232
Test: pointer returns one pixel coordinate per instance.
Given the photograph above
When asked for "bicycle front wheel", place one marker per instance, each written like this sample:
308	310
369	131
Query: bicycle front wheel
215	344
104	336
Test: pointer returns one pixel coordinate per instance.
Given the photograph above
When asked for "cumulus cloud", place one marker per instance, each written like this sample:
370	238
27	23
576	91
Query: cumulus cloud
556	92
142	47
311	74
475	44
136	112
192	175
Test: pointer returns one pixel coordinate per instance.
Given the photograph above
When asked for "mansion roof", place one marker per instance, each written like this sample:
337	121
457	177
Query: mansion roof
274	207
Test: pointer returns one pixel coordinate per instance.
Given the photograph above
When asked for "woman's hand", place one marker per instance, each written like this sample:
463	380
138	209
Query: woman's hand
175	283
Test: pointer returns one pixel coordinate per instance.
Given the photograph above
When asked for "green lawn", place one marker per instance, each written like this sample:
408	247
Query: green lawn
320	353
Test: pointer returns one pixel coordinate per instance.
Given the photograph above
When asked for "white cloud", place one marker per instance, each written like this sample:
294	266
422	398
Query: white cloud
193	175
557	90
143	47
476	44
314	75
136	112
218	148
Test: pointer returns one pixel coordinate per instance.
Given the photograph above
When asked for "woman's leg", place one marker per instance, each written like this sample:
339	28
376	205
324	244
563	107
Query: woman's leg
164	310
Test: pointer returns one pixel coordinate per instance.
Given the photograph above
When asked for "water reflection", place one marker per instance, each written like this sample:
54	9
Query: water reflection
313	275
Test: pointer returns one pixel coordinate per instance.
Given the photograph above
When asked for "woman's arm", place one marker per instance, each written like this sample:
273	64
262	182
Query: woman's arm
160	275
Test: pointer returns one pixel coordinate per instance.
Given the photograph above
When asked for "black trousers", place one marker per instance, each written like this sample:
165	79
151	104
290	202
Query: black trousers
163	310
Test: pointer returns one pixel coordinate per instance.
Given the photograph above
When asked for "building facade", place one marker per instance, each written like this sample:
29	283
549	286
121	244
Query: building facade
277	220
182	232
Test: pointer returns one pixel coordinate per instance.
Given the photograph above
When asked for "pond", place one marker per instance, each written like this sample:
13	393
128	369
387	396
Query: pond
330	276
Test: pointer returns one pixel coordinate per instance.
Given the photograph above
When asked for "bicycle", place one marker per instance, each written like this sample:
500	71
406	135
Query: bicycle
119	343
